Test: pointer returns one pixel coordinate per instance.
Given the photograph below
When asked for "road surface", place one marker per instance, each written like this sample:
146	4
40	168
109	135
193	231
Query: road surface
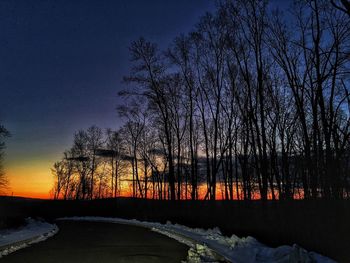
101	242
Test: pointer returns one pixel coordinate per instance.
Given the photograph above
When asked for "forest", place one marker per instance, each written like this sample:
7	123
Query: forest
253	103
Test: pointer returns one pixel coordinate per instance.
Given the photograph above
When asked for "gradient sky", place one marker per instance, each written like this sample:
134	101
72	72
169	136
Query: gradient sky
61	66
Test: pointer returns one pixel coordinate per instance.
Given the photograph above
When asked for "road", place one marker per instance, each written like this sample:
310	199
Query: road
101	242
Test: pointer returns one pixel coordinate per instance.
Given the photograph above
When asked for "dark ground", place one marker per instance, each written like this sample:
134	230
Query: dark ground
317	225
101	242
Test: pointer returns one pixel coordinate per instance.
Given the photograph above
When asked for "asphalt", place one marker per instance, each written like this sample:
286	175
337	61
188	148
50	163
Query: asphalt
101	242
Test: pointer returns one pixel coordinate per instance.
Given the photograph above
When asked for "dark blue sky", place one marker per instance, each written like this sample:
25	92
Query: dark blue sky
61	64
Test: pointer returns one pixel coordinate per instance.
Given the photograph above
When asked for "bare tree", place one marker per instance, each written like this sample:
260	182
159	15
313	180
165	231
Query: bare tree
117	150
149	74
246	106
94	142
3	179
59	174
343	5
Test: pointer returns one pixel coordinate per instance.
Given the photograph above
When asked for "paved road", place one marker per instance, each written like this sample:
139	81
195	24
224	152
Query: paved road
101	242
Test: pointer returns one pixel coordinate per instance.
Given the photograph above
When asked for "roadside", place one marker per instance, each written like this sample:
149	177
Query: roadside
102	242
320	226
33	231
211	246
205	245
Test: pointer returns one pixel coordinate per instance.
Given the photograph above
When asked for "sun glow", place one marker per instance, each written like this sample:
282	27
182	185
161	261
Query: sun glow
33	179
30	179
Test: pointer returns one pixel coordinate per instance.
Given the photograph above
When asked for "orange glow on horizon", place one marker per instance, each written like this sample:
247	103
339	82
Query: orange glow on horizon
36	195
30	178
33	179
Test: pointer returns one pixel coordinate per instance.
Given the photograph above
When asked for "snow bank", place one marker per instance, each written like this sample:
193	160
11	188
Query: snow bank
34	231
210	245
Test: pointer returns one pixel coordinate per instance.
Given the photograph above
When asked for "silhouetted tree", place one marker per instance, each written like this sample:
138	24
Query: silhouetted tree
114	144
343	5
3	179
248	105
149	73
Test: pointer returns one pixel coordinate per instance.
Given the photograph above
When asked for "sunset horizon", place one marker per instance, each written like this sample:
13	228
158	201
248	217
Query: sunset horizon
167	131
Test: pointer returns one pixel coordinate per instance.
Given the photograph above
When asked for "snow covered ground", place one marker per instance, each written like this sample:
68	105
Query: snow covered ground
211	246
34	231
205	245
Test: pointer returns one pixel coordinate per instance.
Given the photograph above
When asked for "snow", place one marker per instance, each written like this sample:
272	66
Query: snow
34	231
211	246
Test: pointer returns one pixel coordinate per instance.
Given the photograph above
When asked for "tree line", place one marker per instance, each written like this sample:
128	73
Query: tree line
4	183
253	103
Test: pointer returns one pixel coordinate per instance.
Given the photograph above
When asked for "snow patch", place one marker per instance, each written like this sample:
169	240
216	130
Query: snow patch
211	246
33	232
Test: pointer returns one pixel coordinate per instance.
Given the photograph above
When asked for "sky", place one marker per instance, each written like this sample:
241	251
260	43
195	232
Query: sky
61	67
